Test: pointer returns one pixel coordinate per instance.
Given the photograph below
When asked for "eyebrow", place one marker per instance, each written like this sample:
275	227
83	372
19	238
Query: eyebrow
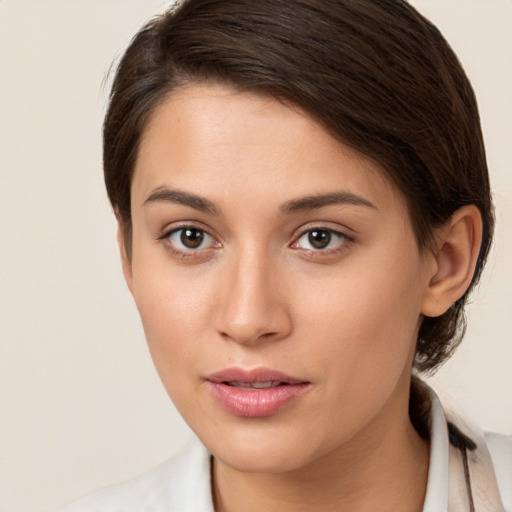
316	201
313	202
165	195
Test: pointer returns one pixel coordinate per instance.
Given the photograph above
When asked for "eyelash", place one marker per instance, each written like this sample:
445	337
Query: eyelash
344	240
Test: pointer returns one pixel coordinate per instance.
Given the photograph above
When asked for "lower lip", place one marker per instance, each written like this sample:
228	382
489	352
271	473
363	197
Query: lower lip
256	403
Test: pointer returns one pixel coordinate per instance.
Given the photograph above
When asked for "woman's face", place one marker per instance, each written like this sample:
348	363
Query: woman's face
277	277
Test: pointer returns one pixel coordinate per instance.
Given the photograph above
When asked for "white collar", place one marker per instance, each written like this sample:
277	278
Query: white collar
447	487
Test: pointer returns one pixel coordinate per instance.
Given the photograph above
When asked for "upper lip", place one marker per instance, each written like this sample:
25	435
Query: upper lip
260	374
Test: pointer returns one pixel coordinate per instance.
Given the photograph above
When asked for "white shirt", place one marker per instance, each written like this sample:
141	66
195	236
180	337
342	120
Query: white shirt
182	484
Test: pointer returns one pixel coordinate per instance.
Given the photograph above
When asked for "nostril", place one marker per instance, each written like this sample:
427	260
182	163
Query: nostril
249	336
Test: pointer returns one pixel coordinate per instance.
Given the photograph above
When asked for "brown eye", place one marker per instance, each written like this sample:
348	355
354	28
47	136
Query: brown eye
192	238
319	239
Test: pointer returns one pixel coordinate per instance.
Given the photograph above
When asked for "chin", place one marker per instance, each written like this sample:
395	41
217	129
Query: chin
267	451
258	461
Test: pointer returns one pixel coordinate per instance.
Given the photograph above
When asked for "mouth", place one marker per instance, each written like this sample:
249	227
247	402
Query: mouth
255	385
255	393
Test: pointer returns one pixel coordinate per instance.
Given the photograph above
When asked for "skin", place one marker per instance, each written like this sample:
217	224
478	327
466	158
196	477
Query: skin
256	293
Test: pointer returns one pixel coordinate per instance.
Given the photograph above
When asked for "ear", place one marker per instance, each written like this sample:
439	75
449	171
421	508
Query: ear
125	257
455	255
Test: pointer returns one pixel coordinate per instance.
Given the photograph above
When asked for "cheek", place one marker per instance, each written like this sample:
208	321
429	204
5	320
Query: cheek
174	309
364	340
366	319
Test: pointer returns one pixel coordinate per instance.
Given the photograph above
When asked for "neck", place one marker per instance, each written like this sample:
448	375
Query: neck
385	468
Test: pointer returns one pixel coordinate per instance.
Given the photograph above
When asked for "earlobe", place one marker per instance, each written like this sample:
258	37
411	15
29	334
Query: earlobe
455	256
125	257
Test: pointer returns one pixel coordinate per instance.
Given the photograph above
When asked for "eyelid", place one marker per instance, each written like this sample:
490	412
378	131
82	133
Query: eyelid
344	231
190	224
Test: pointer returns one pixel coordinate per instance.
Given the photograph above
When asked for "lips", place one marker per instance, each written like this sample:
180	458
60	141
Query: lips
255	393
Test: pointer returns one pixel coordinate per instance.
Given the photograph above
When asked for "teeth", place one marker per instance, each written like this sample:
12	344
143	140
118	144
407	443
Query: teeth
255	385
262	385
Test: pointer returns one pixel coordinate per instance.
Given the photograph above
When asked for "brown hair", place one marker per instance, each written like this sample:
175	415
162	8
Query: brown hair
379	76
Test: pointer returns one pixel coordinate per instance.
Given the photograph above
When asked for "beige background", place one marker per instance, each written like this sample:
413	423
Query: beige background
80	404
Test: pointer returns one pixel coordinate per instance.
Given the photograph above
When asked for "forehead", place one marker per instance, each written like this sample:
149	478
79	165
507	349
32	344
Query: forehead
223	141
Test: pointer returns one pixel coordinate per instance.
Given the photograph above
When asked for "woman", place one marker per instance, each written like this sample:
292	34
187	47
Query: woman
303	207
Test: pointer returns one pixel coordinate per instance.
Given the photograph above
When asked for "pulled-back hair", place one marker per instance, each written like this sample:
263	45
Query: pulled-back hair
376	74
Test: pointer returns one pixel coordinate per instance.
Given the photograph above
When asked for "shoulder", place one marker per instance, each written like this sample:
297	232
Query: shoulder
181	484
500	448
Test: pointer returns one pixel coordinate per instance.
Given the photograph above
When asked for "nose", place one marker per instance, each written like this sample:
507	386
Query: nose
251	307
